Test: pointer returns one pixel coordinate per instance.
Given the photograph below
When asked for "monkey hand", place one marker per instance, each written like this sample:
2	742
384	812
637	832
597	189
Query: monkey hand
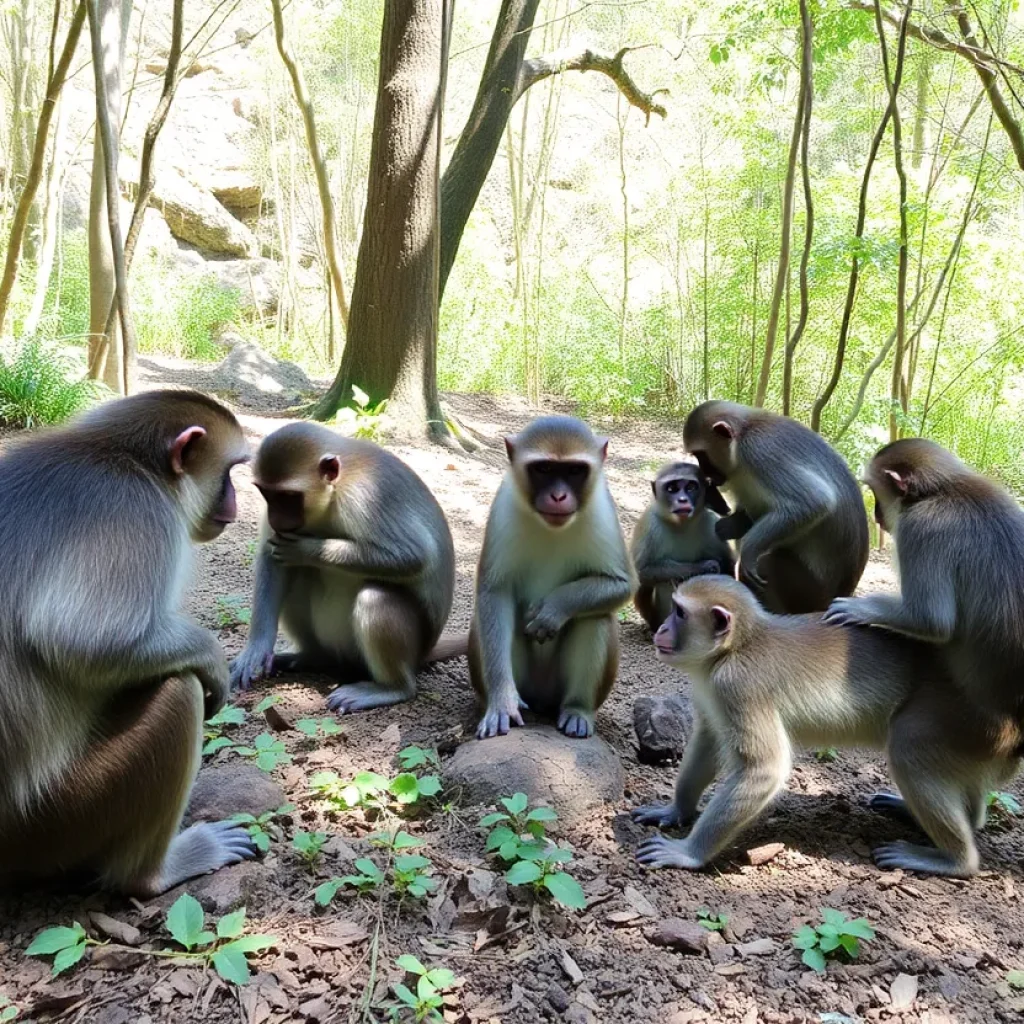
500	716
660	852
662	815
849	611
251	665
292	550
544	621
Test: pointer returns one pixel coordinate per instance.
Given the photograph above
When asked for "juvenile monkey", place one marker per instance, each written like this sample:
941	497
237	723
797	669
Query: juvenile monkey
357	563
553	570
675	538
959	546
104	683
797	511
764	684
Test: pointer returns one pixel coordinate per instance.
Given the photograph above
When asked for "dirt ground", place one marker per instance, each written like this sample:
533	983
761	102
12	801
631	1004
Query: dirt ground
957	939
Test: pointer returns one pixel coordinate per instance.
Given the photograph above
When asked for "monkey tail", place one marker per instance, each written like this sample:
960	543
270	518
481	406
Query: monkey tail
450	645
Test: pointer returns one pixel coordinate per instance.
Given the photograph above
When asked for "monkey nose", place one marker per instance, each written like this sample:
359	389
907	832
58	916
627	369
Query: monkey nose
559	496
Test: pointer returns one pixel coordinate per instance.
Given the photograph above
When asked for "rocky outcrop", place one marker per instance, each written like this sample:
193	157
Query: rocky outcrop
256	282
195	216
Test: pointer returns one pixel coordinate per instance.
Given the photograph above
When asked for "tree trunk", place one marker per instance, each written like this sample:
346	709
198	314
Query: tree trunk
391	350
105	351
782	274
21	214
924	78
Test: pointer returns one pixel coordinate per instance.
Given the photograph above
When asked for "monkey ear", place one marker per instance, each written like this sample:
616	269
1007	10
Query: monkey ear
510	446
330	468
721	619
723	429
714	500
181	447
602	444
897	480
654	487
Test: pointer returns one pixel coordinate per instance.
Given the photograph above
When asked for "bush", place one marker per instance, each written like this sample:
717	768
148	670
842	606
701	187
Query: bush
35	390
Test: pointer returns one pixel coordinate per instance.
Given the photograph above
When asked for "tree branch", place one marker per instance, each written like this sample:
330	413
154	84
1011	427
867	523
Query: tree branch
536	69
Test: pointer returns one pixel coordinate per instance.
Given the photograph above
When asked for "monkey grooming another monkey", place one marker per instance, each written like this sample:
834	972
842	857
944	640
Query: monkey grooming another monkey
675	538
764	684
104	684
798	513
959	553
552	573
357	563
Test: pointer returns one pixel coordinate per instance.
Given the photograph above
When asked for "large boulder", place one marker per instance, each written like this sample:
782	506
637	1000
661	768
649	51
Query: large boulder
256	282
252	375
573	776
236	189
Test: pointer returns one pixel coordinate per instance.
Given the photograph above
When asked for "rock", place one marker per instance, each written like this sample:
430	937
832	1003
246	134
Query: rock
120	931
663	726
573	776
236	787
682	936
639	902
903	991
248	370
236	189
759	947
571	968
227	889
558	997
256	283
579	1014
762	854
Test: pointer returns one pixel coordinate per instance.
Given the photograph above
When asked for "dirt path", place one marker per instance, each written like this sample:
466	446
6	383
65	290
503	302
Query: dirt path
958	939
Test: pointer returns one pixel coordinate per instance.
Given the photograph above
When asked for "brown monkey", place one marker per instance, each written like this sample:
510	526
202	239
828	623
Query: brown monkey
764	684
675	538
959	542
356	561
553	570
102	679
798	513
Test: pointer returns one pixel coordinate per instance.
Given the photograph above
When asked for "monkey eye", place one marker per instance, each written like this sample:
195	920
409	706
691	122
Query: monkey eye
671	488
691	487
679	610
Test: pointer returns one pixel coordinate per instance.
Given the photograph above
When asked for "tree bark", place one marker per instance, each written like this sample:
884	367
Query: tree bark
807	78
106	355
782	274
332	248
391	349
924	78
35	173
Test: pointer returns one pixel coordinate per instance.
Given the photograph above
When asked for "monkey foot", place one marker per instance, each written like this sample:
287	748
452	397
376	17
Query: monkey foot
662	815
497	722
659	852
893	806
364	697
926	859
204	847
574	724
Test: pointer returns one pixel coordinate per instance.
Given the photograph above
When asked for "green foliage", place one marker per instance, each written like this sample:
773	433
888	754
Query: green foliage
408	873
367	789
66	945
309	846
837	935
263	829
713	922
426	1001
35	389
409	789
228	717
268	702
8	1011
417	757
361	419
369	878
318	728
826	754
1003	810
268	753
232	610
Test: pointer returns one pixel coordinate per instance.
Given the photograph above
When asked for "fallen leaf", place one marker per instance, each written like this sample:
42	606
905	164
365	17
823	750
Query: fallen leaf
342	934
639	902
392	735
758	947
120	931
621	917
730	969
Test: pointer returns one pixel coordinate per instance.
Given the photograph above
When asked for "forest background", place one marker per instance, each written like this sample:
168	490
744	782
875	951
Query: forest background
812	205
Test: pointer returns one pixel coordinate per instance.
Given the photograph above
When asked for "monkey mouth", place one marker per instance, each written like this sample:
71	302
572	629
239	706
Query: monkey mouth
556	519
664	650
683	513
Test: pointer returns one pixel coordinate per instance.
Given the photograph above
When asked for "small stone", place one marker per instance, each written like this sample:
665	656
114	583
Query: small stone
663	726
763	854
122	932
622	917
571	968
585	998
681	936
719	951
579	1014
112	958
558	997
948	986
759	947
229	888
903	991
683	982
730	969
639	902
236	787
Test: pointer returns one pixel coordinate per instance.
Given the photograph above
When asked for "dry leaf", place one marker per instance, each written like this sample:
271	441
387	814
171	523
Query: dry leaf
119	931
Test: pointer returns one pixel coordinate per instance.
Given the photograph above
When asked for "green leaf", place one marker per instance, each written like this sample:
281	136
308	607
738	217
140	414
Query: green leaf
369	783
492	819
306	726
324	780
231	965
509	850
185	920
252	943
441	978
323	894
499	836
268	702
8	1014
805	938
53	940
409	963
67	958
413	757
851	944
524	872
261	840
827	931
404	841
836	918
425	989
830	942
405	788
204	938
515	804
411	862
815	959
532	851
217	743
228	715
243	819
368	868
268	761
360	397
542	814
416	889
1015	978
558	856
861	928
265	742
405	995
429	785
231	925
566	890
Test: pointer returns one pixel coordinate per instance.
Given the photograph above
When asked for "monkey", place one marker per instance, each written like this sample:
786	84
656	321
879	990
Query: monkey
959	554
356	562
764	684
675	538
798	513
553	571
104	683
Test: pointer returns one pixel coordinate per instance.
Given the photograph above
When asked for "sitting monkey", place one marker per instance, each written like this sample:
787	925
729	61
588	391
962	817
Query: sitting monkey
553	570
675	538
764	684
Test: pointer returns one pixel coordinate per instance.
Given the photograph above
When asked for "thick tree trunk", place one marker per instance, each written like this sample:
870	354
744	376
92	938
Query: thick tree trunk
391	350
105	351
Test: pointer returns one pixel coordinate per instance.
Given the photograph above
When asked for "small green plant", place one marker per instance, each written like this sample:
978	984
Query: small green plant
318	728
401	840
249	556
412	758
410	789
35	389
426	1002
508	828
541	868
213	730
408	871
66	945
268	702
409	875
713	922
1002	808
369	878
8	1011
362	419
267	752
309	846
367	789
263	829
836	936
826	754
232	610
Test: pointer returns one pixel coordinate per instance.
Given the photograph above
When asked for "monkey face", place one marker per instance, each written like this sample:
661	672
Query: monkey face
682	497
716	477
557	488
222	511
693	633
202	460
285	509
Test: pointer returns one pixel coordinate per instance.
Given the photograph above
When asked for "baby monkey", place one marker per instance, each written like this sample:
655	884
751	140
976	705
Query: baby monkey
764	684
675	538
